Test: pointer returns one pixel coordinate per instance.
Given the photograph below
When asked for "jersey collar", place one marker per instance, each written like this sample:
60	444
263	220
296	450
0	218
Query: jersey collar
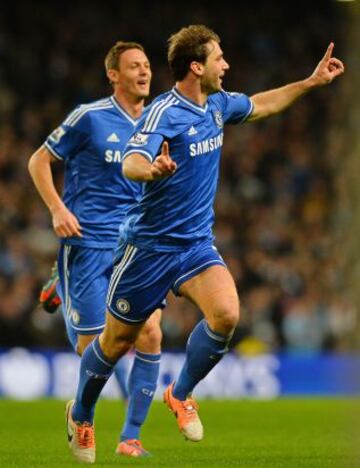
188	102
123	111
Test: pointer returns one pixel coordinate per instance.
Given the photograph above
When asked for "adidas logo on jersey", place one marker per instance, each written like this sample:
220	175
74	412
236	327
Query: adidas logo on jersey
113	138
192	131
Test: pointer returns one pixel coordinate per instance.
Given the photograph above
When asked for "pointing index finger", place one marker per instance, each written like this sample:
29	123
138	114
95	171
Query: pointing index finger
165	150
329	51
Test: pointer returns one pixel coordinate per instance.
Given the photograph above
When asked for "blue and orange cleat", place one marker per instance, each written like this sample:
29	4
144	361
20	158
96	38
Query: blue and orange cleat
49	298
132	448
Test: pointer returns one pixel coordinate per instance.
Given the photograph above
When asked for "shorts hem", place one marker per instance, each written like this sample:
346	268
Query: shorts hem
190	274
88	330
124	319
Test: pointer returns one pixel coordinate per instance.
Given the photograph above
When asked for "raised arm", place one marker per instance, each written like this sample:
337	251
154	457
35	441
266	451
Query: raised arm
276	100
137	167
64	222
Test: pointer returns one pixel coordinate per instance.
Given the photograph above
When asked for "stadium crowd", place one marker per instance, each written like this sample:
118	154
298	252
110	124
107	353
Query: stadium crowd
281	204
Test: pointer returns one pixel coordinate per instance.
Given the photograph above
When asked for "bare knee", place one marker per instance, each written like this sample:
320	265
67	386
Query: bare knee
117	337
225	319
82	343
115	345
150	336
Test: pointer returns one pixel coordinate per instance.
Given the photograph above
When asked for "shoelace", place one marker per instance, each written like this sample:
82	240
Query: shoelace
133	442
190	406
135	445
85	435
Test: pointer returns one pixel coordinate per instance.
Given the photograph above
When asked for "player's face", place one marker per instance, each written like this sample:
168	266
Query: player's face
214	69
134	74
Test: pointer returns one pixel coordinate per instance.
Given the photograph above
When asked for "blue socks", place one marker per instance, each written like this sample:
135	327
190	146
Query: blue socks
204	350
120	369
95	370
142	385
121	374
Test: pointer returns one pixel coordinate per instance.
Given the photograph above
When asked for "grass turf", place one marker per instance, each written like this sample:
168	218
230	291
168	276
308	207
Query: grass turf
282	433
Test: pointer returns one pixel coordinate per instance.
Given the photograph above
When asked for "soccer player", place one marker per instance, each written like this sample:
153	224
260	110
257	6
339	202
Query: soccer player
90	142
168	240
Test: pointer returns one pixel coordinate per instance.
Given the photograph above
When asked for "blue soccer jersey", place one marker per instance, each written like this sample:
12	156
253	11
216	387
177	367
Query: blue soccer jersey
91	142
177	211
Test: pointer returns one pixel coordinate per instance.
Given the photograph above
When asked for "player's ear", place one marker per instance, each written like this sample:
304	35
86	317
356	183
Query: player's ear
113	75
197	68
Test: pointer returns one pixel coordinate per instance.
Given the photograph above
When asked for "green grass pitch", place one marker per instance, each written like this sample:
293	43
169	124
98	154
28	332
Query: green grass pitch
283	433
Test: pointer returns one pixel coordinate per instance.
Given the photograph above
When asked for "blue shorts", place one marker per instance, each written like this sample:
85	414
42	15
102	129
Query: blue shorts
84	275
141	279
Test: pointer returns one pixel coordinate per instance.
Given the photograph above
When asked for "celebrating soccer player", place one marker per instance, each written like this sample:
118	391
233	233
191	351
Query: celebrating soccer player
96	198
167	238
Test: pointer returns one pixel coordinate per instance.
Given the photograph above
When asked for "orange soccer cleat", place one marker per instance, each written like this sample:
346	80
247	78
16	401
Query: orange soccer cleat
81	437
132	448
186	414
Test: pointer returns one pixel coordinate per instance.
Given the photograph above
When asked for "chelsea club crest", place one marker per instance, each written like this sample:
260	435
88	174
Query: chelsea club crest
122	306
218	119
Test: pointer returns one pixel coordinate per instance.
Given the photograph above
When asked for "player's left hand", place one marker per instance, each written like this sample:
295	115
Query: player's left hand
328	68
163	166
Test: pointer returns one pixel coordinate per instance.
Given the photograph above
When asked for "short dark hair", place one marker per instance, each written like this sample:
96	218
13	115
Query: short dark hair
112	57
187	45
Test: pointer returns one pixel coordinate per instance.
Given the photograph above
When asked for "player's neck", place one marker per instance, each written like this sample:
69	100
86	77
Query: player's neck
192	90
134	106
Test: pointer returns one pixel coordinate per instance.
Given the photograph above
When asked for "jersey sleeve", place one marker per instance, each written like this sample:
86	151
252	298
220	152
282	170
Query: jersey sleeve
160	122
146	144
148	138
68	139
237	107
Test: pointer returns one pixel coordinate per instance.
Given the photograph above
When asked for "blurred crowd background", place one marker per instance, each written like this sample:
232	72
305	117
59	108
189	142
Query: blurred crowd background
283	210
